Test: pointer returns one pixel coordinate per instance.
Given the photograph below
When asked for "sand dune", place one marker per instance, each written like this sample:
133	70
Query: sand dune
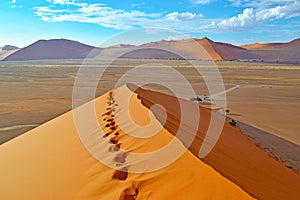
51	49
201	49
7	50
51	162
276	51
223	51
234	156
193	48
180	49
257	45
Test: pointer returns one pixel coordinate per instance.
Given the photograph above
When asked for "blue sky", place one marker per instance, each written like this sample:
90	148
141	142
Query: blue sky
95	21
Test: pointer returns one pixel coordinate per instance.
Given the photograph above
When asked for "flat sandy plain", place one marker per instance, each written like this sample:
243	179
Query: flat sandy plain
267	96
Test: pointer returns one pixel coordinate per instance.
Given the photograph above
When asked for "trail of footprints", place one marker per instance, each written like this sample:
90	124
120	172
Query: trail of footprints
112	133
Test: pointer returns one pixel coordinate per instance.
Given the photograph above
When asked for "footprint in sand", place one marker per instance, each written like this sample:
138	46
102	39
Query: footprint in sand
113	140
121	174
129	194
121	158
113	128
115	148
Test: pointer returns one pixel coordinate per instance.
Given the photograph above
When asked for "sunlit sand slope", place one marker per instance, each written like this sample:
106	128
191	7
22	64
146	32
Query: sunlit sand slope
52	162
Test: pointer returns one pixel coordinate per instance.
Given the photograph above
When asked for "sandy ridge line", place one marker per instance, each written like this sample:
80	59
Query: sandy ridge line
8	128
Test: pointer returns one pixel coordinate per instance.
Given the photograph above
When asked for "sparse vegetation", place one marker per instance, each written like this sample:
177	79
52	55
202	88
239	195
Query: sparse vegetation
232	122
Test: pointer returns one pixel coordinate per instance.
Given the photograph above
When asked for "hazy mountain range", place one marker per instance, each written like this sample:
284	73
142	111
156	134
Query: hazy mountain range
175	49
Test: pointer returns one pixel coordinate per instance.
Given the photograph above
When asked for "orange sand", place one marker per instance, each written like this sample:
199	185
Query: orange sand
234	156
50	162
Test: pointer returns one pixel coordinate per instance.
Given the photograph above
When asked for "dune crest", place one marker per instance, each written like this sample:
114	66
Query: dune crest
234	155
51	162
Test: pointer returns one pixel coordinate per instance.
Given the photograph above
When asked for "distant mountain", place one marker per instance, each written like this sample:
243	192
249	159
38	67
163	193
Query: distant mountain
51	49
6	50
202	49
276	51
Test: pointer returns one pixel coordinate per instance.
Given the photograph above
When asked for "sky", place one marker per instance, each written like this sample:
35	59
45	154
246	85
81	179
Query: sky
94	22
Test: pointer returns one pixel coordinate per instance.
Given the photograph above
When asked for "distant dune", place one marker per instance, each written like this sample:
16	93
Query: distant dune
223	51
51	49
276	51
200	49
6	50
270	46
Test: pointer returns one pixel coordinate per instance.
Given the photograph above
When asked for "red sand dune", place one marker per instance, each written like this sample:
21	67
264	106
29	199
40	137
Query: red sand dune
276	51
223	51
210	50
234	156
201	49
51	162
257	45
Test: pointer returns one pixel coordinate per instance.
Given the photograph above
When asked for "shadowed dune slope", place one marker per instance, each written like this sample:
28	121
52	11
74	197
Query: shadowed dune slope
234	156
51	162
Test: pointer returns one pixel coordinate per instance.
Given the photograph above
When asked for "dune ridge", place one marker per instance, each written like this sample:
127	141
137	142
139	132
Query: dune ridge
258	45
164	49
276	51
234	156
51	162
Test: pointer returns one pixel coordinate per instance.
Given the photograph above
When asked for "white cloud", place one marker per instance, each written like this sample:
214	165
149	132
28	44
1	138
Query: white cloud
13	1
246	19
251	17
92	13
201	1
183	16
186	22
66	10
261	4
176	37
44	10
63	2
278	12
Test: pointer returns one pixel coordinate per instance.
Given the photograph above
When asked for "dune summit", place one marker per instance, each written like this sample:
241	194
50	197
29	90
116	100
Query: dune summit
234	156
52	162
